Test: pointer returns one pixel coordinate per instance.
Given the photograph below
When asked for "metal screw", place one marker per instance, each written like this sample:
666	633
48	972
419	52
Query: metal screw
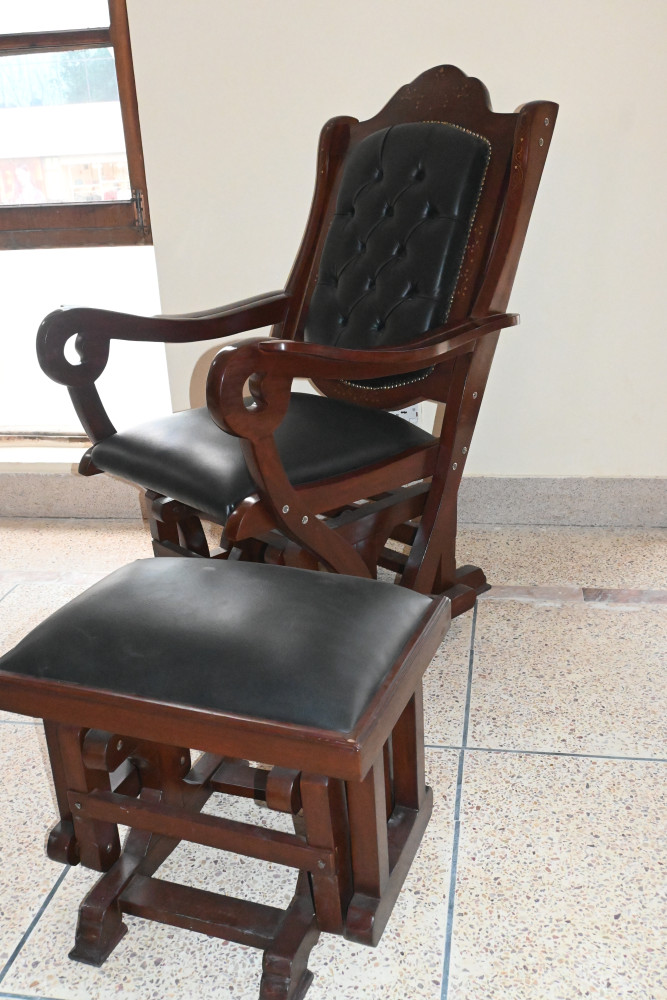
455	465
474	395
286	509
546	121
304	519
182	760
77	805
119	745
108	848
320	864
541	142
464	450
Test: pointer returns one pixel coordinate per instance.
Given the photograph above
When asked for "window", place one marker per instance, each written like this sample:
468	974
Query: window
71	164
73	208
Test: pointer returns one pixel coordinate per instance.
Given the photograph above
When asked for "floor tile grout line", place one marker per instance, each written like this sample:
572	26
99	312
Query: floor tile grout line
33	923
8	592
500	525
446	961
23	996
547	753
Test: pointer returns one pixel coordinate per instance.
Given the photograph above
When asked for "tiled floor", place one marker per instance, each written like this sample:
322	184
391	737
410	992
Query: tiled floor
543	872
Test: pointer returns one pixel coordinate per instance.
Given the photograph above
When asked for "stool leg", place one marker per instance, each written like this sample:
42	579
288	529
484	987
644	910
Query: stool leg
325	823
367	807
285	973
96	843
62	845
383	850
408	754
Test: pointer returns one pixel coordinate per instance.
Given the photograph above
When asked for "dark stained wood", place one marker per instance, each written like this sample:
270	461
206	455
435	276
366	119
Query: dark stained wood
359	811
460	356
198	910
54	41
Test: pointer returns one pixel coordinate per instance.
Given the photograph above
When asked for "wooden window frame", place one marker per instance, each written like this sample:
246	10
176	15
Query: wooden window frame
80	224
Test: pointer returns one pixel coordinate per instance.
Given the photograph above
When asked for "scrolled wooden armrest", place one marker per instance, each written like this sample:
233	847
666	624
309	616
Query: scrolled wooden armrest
95	328
277	362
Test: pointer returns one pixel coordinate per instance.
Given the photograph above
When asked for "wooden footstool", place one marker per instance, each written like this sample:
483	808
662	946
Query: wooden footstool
315	674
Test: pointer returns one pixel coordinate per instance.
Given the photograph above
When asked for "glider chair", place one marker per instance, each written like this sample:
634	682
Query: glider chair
317	676
397	295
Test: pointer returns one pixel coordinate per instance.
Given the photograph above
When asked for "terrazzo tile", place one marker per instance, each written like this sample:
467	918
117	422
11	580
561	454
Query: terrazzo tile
26	874
445	685
63	545
155	962
571	678
561	880
562	556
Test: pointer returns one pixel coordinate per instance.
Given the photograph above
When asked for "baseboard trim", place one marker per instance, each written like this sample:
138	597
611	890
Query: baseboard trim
585	502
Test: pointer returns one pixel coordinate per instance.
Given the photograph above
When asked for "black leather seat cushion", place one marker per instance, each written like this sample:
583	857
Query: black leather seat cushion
186	456
262	641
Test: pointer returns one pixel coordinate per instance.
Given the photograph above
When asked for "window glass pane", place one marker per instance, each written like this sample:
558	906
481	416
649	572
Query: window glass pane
61	132
17	16
134	385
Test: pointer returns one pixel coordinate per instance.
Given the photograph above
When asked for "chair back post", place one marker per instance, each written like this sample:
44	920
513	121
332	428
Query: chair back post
534	130
332	149
431	566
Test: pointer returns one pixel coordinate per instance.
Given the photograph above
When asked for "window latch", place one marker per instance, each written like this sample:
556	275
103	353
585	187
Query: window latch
139	213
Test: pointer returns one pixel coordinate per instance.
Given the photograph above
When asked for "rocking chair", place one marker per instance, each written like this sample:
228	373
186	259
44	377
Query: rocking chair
397	295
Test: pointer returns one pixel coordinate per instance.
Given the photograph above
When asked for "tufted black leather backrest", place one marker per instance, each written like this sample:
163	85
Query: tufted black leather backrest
395	246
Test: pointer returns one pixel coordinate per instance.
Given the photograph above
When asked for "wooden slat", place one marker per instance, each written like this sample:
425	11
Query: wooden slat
212	831
235	777
199	910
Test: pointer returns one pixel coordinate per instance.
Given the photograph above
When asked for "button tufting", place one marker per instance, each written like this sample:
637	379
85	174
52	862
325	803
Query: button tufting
378	175
431	212
342	320
399	251
419	174
388	210
362	247
371	283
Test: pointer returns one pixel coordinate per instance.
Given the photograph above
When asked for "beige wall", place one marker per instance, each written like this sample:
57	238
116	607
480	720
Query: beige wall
232	96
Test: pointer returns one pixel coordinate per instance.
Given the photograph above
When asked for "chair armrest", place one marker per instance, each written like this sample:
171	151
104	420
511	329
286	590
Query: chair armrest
301	360
94	329
272	364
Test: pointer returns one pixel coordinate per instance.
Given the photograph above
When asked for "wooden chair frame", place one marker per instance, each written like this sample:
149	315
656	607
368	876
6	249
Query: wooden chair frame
344	523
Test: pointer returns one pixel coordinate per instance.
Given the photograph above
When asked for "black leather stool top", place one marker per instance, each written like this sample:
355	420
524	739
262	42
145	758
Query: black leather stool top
261	641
